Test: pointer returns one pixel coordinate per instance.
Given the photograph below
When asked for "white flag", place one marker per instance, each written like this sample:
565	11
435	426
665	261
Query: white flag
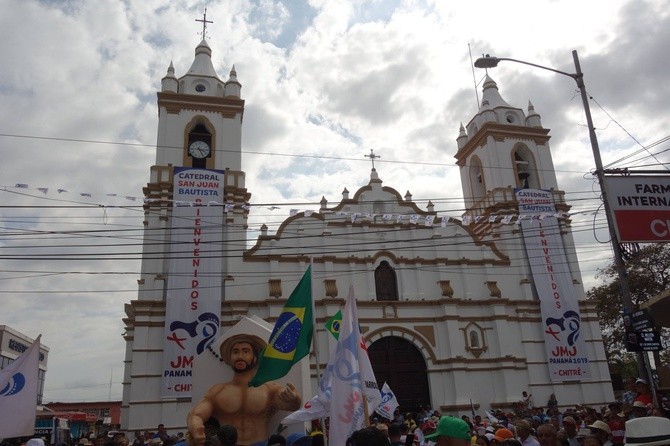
18	394
319	405
389	403
310	410
347	412
370	387
491	418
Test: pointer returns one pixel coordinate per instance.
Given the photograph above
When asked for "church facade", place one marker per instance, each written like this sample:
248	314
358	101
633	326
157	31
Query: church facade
450	308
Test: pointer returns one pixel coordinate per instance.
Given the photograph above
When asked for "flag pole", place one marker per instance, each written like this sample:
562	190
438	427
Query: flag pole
314	339
315	342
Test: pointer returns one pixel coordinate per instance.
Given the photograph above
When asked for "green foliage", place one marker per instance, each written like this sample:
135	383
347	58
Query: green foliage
648	275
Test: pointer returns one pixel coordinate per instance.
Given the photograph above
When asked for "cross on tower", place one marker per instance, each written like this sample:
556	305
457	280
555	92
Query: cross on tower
372	157
204	23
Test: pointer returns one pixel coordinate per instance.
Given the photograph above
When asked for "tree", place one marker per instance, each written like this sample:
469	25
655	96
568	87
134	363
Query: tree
648	275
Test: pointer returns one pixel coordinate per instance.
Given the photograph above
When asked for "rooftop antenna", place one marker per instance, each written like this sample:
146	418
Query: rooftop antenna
205	22
474	79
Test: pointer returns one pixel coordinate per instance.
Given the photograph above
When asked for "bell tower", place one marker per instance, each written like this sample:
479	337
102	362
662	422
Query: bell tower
195	207
200	117
502	148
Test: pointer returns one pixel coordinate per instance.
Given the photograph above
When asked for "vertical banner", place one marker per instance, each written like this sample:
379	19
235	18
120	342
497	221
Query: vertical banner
563	340
193	302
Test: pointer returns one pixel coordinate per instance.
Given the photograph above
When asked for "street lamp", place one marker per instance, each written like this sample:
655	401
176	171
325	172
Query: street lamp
490	62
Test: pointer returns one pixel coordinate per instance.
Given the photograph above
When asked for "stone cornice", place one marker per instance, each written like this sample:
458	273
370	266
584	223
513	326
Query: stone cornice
228	107
501	132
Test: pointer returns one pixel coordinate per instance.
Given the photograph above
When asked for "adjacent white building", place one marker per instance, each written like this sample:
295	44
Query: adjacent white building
449	307
13	344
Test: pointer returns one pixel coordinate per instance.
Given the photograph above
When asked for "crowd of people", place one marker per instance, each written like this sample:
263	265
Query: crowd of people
633	420
630	421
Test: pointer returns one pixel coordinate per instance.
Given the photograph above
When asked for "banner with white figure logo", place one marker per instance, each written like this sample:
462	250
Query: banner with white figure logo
193	301
561	321
18	394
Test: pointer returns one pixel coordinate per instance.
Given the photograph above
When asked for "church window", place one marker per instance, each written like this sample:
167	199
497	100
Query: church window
477	183
386	283
474	339
524	168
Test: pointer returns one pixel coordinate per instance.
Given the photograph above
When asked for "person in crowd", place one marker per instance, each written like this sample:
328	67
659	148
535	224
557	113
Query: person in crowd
547	435
648	431
394	435
601	430
527	400
643	392
591	440
368	436
410	421
524	430
570	428
276	440
161	433
483	440
427	428
552	403
383	428
139	439
227	435
500	435
318	439
617	424
179	439
451	431
638	410
629	395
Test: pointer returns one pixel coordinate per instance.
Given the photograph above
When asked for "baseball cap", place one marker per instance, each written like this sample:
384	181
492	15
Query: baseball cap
503	434
451	427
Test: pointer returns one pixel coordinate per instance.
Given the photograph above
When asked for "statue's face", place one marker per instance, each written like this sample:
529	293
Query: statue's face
242	357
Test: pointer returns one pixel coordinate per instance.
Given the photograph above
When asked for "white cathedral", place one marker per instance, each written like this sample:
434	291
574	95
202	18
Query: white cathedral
450	308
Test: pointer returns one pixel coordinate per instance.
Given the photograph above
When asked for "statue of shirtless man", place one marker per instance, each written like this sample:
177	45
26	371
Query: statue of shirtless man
249	409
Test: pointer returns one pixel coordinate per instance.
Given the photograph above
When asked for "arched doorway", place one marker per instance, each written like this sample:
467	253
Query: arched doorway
399	363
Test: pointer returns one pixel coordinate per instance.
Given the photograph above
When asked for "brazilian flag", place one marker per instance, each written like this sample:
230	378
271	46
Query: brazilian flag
333	324
291	337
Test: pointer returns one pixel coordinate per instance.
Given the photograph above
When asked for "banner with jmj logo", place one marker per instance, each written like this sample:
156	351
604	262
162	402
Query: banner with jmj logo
561	321
193	301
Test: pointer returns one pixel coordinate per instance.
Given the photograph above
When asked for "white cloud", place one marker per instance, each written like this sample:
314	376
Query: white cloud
323	79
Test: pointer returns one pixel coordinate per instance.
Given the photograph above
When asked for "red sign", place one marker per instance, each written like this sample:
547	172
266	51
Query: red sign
641	206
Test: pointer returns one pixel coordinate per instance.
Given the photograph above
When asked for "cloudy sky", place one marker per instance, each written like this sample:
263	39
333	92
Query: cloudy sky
324	82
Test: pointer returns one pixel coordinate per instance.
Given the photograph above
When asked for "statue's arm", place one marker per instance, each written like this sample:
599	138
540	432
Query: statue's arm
198	415
285	398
